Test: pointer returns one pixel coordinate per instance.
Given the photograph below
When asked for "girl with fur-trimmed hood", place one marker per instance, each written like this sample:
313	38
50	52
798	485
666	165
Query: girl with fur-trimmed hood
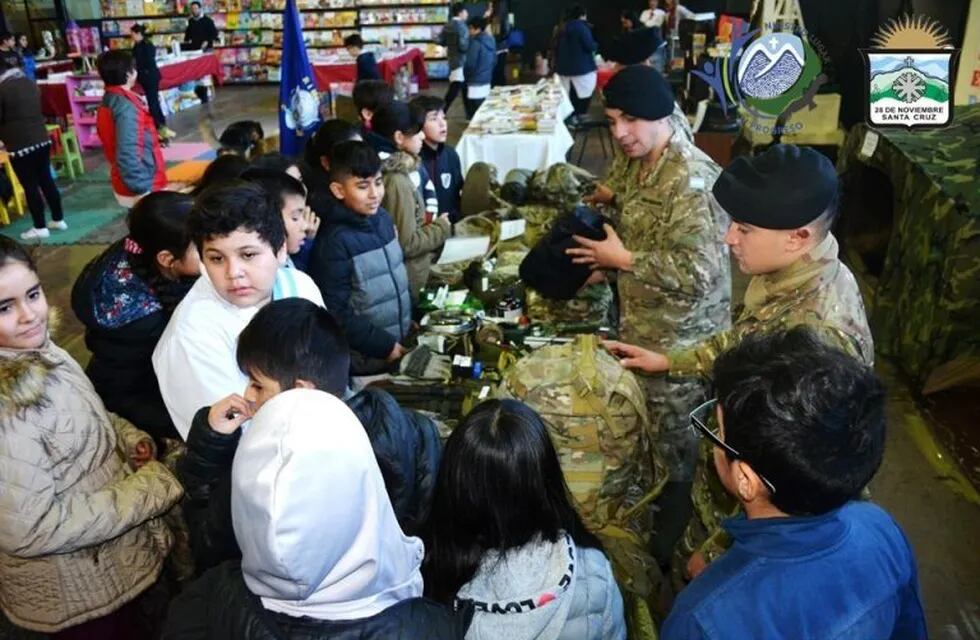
80	530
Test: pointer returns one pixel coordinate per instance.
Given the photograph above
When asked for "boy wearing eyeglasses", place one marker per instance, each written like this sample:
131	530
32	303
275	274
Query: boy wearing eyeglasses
783	204
799	432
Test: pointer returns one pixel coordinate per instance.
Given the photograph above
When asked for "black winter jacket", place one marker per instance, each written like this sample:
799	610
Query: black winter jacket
406	445
446	172
218	606
124	318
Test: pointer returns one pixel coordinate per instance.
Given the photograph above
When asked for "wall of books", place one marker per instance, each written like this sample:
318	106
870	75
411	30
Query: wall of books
250	31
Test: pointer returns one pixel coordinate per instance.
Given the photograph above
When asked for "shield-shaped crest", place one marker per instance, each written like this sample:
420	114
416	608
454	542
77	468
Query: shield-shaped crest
910	88
446	179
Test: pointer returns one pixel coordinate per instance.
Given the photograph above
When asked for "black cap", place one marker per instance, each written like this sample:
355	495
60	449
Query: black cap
787	187
397	116
640	91
634	47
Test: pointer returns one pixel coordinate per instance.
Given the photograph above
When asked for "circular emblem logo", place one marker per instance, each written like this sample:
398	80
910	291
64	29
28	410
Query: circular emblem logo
775	70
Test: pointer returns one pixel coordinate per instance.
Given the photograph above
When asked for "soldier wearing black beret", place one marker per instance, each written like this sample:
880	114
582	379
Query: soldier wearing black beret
783	204
673	267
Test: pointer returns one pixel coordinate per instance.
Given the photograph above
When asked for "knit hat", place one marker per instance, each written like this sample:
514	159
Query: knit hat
787	187
640	91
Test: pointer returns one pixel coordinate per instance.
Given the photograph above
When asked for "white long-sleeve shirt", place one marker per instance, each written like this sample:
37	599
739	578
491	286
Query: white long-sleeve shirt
195	358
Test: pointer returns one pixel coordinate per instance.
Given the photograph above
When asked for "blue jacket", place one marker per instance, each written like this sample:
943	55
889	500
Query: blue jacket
575	50
846	574
367	67
480	60
358	265
446	172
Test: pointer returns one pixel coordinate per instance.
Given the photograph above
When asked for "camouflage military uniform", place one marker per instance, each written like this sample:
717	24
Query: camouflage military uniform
818	291
679	289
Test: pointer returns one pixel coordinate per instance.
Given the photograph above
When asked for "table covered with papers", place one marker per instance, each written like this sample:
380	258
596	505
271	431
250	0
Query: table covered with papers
519	127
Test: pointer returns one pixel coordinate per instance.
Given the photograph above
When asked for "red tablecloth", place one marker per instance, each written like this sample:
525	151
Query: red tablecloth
327	74
54	96
54	99
177	73
53	66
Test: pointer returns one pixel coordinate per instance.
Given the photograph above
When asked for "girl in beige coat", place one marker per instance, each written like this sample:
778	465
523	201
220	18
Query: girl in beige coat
80	531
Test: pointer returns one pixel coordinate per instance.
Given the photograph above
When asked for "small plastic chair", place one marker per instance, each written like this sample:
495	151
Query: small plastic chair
72	154
19	200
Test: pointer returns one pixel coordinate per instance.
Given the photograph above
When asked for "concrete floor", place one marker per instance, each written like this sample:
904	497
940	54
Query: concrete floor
940	517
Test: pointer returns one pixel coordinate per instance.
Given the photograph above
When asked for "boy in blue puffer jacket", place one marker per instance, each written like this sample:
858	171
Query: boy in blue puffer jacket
358	263
480	60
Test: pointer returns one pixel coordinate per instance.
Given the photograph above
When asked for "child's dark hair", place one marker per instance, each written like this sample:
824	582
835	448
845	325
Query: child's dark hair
13	251
221	210
354	40
329	135
158	222
273	161
354	158
456	9
372	95
427	104
477	22
807	416
277	183
500	485
138	28
295	339
235	140
222	169
114	67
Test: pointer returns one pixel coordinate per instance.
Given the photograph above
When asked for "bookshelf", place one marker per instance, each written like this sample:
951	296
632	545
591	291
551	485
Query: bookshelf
250	31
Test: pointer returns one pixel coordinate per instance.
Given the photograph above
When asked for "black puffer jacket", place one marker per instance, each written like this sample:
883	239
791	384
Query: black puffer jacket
124	318
218	605
406	445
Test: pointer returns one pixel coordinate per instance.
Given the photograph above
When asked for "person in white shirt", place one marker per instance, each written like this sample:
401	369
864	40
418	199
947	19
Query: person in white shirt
653	15
239	232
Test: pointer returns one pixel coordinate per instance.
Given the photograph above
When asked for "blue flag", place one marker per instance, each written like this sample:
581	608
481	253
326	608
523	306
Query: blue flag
299	103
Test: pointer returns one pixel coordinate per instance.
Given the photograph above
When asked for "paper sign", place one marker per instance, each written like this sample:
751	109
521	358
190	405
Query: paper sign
460	249
870	144
512	228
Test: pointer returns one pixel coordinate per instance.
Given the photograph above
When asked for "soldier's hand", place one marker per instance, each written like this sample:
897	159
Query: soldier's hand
696	565
602	254
594	278
634	357
601	195
228	414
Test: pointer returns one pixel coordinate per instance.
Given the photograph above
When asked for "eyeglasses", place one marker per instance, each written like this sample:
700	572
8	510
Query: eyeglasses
699	419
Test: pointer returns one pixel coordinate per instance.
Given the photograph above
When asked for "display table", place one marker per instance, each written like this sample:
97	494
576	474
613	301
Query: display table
335	69
518	127
47	67
173	73
925	309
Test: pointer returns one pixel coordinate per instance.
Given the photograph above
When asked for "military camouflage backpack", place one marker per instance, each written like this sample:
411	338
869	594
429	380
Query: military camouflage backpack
561	185
594	306
479	189
596	414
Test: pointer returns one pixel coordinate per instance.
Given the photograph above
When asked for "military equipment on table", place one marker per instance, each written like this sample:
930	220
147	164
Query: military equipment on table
479	188
594	307
515	188
596	414
561	185
548	269
478	225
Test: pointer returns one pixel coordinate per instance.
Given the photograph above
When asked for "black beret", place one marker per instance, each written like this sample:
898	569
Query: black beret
640	91
787	187
634	47
548	269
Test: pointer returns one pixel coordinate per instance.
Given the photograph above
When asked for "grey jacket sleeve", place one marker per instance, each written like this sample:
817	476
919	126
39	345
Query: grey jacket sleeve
131	169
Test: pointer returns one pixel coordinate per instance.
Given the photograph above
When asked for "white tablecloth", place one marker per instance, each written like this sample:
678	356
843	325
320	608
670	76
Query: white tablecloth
518	150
